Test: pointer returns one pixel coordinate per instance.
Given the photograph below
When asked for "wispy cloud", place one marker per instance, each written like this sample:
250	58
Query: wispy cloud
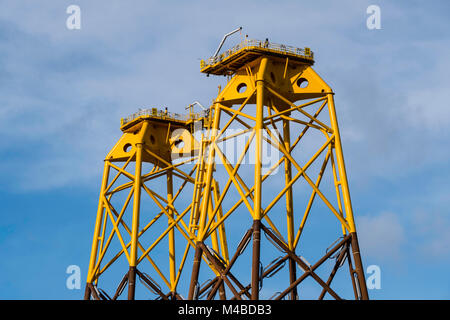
63	92
382	237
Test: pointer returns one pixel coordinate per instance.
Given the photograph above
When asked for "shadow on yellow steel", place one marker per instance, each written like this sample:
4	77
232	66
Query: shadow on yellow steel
163	137
272	78
288	77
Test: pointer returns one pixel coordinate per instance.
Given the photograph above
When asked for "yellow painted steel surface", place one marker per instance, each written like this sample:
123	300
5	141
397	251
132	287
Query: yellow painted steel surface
262	96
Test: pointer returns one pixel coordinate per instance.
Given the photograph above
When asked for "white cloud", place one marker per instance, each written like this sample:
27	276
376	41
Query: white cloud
54	81
381	236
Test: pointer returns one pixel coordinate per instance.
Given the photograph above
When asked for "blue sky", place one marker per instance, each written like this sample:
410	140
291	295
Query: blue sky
63	92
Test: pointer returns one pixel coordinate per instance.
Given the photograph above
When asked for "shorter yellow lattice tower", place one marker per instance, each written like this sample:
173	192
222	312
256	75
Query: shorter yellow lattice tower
150	137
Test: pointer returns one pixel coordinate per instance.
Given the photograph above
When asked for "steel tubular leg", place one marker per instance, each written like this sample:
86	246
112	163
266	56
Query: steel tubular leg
289	206
347	201
171	236
195	271
256	259
98	225
293	277
222	294
87	292
131	283
135	223
358	267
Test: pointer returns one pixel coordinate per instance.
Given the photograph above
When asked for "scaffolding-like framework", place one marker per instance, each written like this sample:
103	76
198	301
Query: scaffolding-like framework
259	115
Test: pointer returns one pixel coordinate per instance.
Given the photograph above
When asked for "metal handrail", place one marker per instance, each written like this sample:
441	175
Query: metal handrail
251	43
162	114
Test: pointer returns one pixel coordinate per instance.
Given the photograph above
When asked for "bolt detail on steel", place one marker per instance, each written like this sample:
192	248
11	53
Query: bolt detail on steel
247	199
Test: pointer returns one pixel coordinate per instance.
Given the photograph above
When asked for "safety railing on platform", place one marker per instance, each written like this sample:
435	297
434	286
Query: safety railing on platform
164	115
250	43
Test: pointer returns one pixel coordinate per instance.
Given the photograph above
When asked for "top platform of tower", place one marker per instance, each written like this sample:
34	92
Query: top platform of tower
162	116
248	50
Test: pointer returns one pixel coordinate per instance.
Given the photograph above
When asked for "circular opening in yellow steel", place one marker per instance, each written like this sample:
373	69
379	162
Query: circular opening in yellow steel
241	87
302	83
127	147
179	143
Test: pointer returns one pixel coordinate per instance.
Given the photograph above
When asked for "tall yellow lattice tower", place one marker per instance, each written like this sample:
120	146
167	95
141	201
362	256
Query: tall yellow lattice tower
264	165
